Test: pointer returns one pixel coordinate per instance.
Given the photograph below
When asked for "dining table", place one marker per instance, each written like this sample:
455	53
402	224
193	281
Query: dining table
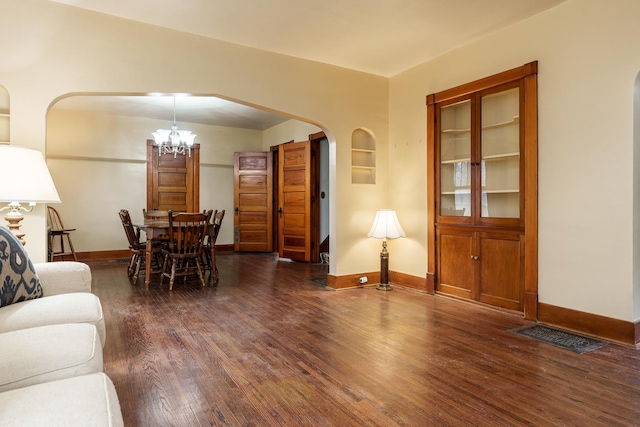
155	228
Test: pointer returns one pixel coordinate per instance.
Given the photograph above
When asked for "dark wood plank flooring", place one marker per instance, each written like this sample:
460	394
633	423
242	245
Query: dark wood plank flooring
269	347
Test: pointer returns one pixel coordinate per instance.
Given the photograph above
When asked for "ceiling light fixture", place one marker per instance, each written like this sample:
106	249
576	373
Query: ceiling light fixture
174	141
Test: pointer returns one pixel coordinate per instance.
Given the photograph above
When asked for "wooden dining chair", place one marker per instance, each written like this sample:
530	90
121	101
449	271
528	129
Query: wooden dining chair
210	244
138	249
184	249
59	233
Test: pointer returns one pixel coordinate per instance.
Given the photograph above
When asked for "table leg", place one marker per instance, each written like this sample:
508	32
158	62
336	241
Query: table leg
212	257
147	270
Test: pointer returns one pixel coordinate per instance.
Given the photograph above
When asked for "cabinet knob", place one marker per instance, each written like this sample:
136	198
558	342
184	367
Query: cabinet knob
475	257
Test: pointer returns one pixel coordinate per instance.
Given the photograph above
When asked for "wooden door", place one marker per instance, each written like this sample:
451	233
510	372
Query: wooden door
295	199
173	183
253	228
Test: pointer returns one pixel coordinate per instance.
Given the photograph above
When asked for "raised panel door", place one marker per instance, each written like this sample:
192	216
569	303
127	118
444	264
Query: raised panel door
500	259
295	201
456	266
253	224
173	183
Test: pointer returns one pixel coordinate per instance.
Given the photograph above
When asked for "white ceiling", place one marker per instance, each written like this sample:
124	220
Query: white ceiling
382	37
191	109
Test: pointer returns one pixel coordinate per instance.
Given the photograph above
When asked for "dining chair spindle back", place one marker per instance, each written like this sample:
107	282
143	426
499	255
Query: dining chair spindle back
58	233
185	246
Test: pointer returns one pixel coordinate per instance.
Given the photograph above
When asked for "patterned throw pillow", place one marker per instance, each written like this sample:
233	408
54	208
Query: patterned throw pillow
18	279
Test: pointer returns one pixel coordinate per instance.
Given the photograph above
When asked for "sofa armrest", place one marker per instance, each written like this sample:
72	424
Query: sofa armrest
63	277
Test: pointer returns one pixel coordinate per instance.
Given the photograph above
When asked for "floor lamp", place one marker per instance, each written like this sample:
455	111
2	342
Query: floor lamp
385	226
26	179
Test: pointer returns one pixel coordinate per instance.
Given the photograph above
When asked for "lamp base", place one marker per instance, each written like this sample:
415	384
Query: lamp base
384	287
14	226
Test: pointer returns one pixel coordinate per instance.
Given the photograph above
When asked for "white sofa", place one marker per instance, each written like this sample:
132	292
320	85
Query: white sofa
52	332
67	298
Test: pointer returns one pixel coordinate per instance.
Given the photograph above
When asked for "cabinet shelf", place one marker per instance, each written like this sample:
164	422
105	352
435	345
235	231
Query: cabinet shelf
468	191
504	191
452	161
502	156
513	121
458	191
455	131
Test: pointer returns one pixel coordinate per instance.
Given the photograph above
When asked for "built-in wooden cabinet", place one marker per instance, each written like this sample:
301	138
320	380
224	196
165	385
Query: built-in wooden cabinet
482	156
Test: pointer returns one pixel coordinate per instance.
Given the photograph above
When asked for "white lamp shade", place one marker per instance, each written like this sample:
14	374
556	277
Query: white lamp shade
26	177
161	136
187	137
386	225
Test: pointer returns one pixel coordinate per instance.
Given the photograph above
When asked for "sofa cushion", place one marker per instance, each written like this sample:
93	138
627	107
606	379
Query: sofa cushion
48	353
63	277
77	307
88	400
18	279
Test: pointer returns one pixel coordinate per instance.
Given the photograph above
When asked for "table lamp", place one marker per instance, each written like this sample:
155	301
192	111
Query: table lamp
26	180
385	226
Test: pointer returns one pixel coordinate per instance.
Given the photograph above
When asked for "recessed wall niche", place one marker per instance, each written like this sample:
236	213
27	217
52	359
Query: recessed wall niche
363	157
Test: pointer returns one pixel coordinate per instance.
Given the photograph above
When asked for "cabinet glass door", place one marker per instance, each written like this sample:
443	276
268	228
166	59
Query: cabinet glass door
455	159
500	154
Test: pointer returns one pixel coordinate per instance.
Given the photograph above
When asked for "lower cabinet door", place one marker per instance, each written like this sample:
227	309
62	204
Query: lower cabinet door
501	270
456	266
483	266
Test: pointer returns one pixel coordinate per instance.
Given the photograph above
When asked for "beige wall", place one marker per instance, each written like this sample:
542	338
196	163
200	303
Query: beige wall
588	62
288	131
51	50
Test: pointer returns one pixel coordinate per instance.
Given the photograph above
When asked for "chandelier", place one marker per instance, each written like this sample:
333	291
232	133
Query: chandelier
174	141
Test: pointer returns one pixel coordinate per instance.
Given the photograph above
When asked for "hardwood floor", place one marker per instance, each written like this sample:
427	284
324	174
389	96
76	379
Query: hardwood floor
269	347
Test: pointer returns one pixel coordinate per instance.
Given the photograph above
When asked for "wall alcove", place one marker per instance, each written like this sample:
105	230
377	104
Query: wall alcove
363	157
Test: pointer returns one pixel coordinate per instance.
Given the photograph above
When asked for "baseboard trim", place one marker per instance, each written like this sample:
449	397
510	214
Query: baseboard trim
103	255
409	281
123	253
351	281
607	328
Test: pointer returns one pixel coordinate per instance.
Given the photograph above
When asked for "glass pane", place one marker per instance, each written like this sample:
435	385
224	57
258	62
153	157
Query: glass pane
455	159
500	148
